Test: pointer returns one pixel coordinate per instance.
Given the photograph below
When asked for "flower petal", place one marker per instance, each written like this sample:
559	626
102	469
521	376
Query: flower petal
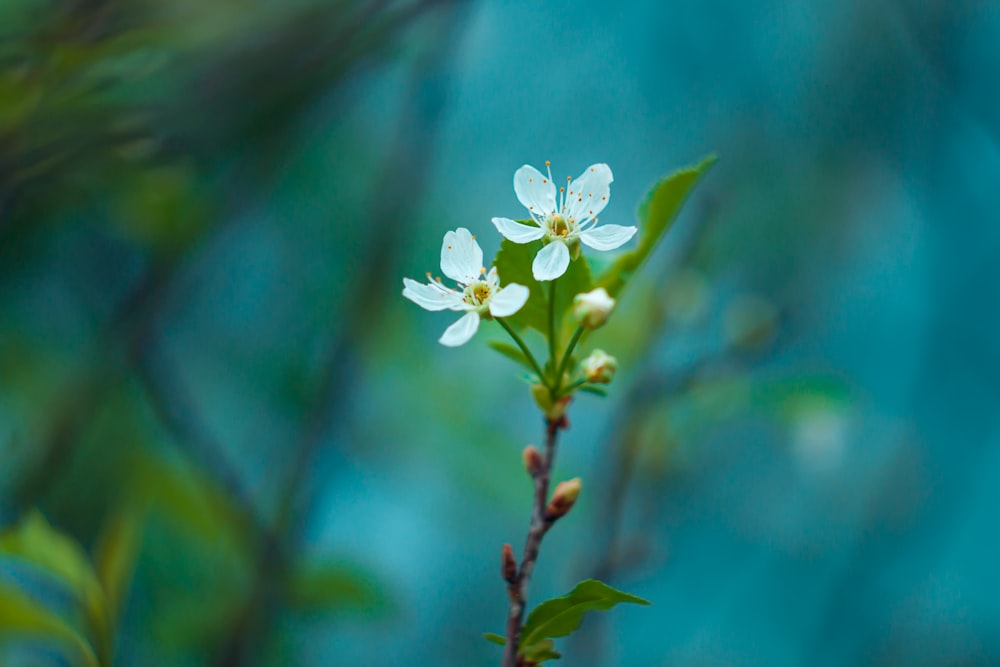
461	256
431	297
493	279
551	261
508	300
517	232
461	331
589	193
535	191
607	237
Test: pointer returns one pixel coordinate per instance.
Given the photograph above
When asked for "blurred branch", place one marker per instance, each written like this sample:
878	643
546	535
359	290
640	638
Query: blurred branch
405	173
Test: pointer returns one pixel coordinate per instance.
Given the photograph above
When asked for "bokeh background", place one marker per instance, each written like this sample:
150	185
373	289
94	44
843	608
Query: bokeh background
210	385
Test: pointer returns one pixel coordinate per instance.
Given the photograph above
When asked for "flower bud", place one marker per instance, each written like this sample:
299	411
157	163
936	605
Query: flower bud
592	309
532	460
599	367
508	565
563	498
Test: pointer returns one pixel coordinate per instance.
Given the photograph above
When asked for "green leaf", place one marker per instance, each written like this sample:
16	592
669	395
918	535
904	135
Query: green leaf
560	616
511	352
536	653
338	585
540	651
656	213
495	638
591	389
513	263
576	280
116	555
35	541
22	616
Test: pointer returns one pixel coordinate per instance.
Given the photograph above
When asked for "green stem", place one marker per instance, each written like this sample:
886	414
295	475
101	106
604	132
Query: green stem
524	348
566	356
578	383
552	334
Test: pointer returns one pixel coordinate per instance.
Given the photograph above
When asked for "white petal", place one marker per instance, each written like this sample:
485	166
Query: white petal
431	297
493	279
461	331
461	256
607	237
508	300
517	232
551	261
589	193
535	191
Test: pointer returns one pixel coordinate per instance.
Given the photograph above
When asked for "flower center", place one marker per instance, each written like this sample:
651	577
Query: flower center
477	293
559	225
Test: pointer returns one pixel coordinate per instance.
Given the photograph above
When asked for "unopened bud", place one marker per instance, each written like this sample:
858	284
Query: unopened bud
563	498
599	367
592	309
508	565
532	460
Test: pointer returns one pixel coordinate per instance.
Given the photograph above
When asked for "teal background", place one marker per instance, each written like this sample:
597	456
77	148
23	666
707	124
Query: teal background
206	210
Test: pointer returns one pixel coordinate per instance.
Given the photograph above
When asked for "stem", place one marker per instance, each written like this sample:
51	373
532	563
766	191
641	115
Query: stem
517	589
524	348
569	351
552	335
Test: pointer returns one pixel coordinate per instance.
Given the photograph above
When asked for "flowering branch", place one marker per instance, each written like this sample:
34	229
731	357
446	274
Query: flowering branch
549	244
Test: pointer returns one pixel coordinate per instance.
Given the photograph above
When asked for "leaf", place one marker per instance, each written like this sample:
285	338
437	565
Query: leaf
576	280
540	651
21	615
495	638
560	616
591	389
35	541
656	213
116	554
513	263
338	585
511	352
536	653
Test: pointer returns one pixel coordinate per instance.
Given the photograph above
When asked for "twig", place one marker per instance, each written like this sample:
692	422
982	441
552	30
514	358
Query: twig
541	520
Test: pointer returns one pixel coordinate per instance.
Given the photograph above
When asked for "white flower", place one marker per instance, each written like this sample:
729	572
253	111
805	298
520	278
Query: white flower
564	223
480	295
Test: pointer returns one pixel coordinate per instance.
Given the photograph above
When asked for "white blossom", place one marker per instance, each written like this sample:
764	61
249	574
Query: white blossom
480	294
565	221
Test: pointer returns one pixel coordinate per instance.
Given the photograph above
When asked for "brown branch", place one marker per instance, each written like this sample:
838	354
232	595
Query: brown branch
542	519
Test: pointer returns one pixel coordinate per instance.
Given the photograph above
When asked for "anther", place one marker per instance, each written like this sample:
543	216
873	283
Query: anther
548	164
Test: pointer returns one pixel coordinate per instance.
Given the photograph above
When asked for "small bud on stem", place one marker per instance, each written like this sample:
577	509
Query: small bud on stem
563	498
508	565
533	462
